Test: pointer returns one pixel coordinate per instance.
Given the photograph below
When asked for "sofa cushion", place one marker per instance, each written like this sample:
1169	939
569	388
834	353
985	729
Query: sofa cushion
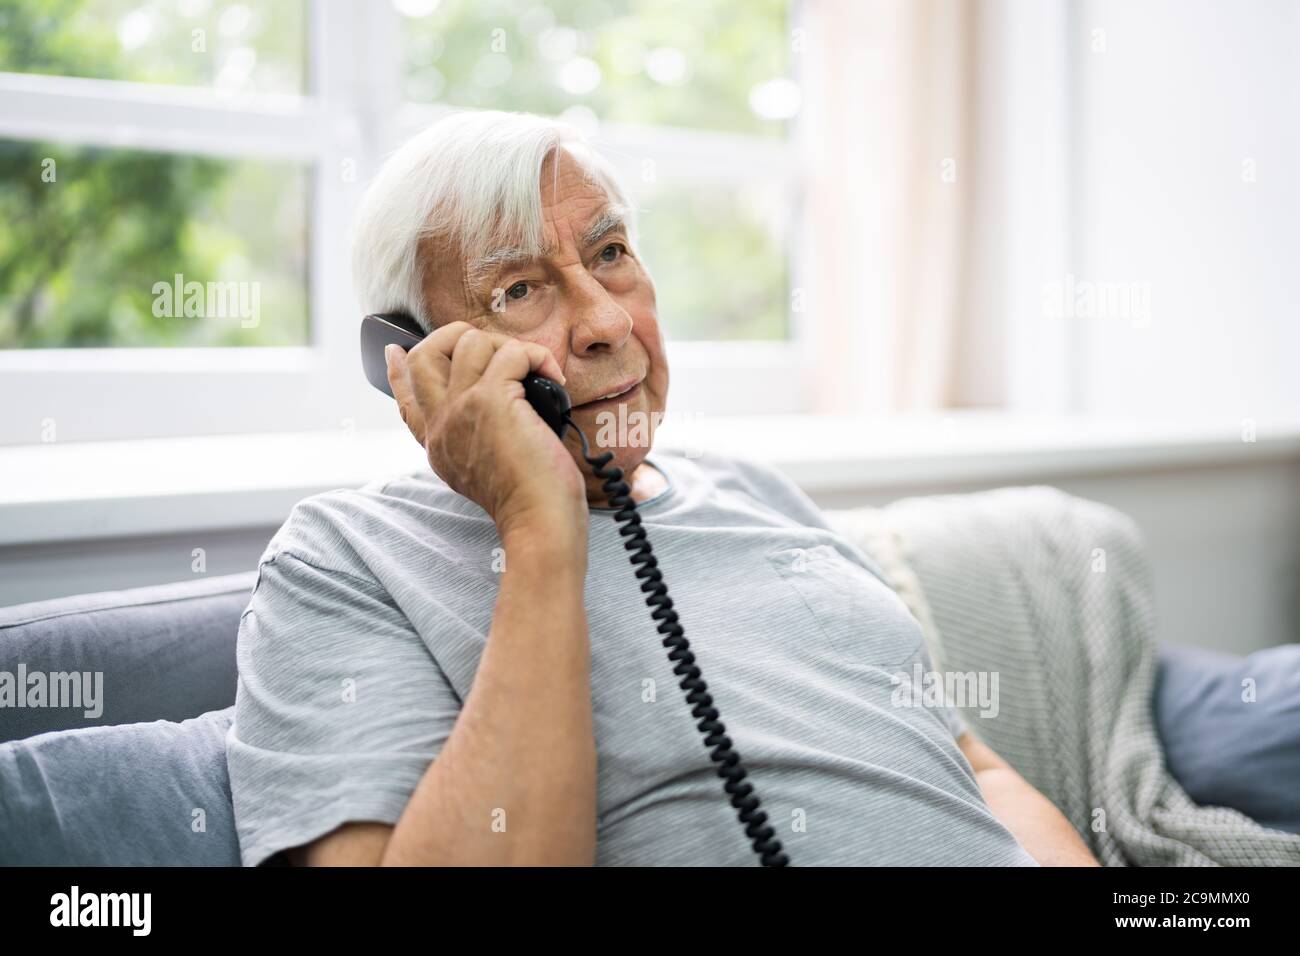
1224	748
145	794
159	653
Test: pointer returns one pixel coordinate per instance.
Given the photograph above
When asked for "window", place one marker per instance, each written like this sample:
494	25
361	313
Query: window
112	261
223	44
709	66
177	181
98	245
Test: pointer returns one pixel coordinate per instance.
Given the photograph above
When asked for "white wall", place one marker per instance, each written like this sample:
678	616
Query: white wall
1167	120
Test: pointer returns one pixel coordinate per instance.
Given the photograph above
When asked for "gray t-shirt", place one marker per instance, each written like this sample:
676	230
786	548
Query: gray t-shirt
372	608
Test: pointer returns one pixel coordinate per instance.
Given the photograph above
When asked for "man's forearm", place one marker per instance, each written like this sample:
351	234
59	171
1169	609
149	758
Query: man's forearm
1033	820
515	782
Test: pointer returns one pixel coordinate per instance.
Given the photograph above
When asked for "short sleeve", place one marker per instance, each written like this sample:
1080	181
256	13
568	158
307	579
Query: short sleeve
339	711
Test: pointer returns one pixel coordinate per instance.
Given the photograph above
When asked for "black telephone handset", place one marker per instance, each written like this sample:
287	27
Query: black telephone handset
551	402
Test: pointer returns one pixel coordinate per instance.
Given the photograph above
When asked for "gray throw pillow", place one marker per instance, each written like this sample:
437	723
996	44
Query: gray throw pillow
146	794
1227	750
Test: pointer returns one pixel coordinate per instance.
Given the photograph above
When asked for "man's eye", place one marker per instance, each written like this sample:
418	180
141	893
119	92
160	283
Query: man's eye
614	247
518	290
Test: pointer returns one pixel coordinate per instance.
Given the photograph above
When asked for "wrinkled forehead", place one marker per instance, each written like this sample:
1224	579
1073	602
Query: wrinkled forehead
587	223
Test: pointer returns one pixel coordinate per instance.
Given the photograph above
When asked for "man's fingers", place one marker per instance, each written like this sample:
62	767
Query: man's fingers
399	380
431	359
395	359
475	353
541	361
457	356
471	355
515	359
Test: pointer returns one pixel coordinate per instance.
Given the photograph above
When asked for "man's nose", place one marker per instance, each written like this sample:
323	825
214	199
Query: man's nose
599	324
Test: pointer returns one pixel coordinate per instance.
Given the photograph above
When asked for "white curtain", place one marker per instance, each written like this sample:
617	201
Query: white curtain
887	165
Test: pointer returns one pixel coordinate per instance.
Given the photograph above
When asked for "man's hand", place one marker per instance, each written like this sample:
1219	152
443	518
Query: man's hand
459	391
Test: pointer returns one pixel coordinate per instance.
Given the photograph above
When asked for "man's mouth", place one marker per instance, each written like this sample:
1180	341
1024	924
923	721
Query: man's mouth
620	393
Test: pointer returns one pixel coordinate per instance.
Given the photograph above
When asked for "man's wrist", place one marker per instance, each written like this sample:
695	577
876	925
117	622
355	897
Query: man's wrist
561	545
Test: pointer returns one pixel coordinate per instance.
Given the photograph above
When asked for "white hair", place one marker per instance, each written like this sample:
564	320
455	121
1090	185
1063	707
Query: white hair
472	179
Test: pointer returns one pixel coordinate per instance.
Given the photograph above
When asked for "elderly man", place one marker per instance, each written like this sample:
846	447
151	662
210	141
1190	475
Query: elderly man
458	667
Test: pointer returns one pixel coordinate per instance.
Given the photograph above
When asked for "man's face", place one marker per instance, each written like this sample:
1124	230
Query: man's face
588	299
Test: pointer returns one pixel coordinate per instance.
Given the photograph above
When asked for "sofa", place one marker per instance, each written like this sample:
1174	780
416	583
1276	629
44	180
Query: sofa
132	771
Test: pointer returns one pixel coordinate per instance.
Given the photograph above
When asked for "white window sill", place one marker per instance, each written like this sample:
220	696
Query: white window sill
78	491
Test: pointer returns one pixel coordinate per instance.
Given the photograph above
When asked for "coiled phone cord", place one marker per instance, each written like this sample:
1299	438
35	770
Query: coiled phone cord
710	723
